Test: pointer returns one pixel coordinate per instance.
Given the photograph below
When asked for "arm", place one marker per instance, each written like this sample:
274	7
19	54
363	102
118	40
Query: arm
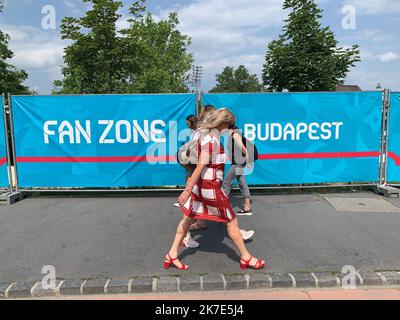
237	139
192	181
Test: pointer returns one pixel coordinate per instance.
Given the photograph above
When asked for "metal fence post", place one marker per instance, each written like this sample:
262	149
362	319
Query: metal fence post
384	138
13	144
8	150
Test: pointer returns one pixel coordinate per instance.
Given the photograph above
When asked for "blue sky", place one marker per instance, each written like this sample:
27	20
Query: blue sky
224	32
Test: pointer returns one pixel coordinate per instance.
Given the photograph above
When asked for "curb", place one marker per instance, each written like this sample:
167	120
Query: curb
185	283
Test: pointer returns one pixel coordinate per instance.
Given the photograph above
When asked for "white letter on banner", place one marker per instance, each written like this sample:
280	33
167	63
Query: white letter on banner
69	132
144	133
273	136
265	138
86	133
289	130
327	133
128	131
250	131
47	131
109	124
301	128
312	131
337	132
157	135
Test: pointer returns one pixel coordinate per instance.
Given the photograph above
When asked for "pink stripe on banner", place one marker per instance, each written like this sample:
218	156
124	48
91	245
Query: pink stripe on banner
319	155
283	156
395	157
3	161
97	159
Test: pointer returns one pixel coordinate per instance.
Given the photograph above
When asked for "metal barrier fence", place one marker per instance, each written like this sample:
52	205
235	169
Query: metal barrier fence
4	176
310	138
79	142
393	150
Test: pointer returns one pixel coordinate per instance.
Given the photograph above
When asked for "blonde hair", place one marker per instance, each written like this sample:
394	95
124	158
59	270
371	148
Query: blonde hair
205	113
215	118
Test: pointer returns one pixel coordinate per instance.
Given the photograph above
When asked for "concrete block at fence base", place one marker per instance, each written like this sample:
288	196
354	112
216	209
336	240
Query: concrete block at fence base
21	290
304	280
117	286
259	280
345	279
392	277
71	287
3	287
189	283
370	278
281	280
326	280
213	282
236	282
142	285
94	286
167	284
39	291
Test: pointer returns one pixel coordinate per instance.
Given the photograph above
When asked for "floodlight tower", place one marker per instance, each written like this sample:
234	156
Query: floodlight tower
195	81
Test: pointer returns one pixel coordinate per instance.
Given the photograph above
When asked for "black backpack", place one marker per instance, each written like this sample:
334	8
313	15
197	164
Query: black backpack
250	146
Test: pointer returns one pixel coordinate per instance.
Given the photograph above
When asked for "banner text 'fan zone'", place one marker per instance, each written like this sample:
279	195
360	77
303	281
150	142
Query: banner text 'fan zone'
100	140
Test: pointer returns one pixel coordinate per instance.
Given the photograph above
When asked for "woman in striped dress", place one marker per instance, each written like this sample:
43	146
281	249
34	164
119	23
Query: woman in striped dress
204	199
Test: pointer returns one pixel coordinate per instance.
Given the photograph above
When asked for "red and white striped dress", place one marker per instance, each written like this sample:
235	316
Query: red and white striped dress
208	201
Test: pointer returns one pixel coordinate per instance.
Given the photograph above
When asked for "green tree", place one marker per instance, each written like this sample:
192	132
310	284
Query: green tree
159	61
306	57
239	80
11	78
93	63
147	57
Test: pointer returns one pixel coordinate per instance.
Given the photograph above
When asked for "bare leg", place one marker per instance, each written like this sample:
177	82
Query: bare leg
236	237
181	232
247	204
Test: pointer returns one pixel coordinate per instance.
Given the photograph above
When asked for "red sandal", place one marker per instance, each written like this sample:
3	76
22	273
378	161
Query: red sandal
170	262
246	264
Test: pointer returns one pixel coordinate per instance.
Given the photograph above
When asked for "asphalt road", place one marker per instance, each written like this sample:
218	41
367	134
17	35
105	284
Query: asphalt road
123	237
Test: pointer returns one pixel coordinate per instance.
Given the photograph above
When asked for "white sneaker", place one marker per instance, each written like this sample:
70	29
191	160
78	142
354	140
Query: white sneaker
247	234
188	242
177	205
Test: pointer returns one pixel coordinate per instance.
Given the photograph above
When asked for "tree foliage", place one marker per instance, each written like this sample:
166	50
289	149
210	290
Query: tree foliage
239	80
147	57
306	57
11	79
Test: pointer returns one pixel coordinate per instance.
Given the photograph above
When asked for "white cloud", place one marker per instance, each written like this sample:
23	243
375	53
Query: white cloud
34	48
372	7
229	32
389	56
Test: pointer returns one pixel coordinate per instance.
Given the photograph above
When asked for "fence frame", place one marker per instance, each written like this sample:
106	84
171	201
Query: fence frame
385	127
382	179
6	137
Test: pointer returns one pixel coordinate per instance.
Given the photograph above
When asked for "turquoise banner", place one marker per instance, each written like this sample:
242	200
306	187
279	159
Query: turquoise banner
100	140
394	139
309	138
